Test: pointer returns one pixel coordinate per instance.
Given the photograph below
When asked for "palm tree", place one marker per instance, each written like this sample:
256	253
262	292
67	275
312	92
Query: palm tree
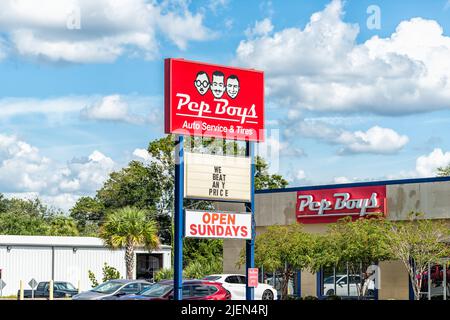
128	228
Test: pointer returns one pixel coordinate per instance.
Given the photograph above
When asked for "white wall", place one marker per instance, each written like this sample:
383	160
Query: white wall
74	266
25	263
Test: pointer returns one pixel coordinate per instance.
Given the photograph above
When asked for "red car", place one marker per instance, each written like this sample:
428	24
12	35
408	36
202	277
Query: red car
192	290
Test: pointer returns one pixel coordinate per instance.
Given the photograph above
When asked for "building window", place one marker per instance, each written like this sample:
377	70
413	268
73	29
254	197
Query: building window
435	282
275	279
343	282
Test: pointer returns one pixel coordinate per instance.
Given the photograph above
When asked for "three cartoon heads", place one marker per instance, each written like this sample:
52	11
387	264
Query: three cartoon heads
217	84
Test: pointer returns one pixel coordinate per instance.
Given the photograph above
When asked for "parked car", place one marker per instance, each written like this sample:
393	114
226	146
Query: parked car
61	289
341	285
235	283
192	290
113	289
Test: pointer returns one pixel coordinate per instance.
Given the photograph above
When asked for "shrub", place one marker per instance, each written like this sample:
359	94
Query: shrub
163	274
310	298
109	273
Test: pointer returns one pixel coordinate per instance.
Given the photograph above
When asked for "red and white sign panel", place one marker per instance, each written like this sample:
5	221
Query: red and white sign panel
213	101
329	205
223	225
252	277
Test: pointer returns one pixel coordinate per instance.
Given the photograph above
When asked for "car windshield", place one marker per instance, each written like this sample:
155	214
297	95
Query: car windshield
108	287
157	290
212	278
328	280
65	286
338	279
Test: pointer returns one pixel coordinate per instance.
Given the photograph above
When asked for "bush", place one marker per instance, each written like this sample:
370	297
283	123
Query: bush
293	297
333	297
195	270
109	273
310	298
163	274
198	270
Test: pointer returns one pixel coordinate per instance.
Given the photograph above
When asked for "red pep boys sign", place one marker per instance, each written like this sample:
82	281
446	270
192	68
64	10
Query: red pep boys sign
213	101
329	205
204	224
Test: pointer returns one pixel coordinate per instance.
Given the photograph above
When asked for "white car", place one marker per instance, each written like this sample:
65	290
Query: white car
341	285
235	283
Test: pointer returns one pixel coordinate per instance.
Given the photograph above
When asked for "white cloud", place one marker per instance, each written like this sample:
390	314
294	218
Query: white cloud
339	180
143	155
24	106
182	27
322	68
125	108
23	170
111	108
84	31
300	175
261	28
216	5
375	140
427	165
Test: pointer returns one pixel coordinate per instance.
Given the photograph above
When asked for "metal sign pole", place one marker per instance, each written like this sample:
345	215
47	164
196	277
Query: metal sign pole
250	244
178	219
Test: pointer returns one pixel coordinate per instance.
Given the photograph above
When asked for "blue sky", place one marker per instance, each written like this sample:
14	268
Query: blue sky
81	85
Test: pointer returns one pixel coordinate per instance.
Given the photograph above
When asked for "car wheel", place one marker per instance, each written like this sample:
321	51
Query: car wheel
267	295
330	292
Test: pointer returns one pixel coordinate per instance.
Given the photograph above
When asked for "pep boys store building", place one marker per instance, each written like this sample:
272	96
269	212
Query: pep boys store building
318	206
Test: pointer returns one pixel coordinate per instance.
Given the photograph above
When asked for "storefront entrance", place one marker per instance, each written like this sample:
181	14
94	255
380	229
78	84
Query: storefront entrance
147	265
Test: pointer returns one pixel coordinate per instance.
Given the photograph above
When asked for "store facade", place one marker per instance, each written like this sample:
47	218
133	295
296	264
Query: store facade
316	207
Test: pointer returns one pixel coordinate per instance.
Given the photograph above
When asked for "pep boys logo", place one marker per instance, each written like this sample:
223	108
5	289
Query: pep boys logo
210	100
202	84
218	86
358	201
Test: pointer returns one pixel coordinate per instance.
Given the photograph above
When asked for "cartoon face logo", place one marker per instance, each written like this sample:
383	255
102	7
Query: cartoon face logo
218	84
232	86
202	82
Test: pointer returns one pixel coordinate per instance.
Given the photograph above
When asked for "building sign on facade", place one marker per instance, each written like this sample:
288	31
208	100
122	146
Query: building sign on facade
217	177
213	101
329	205
205	224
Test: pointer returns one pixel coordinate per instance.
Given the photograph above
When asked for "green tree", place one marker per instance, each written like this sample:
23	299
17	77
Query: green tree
14	223
444	171
265	180
3	203
62	226
88	213
141	186
202	250
31	217
135	185
357	244
128	228
285	249
416	243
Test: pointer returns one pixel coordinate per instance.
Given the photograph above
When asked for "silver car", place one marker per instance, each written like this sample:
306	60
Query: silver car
113	289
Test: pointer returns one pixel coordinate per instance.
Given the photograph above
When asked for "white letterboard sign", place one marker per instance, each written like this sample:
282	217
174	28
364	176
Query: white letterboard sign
217	177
